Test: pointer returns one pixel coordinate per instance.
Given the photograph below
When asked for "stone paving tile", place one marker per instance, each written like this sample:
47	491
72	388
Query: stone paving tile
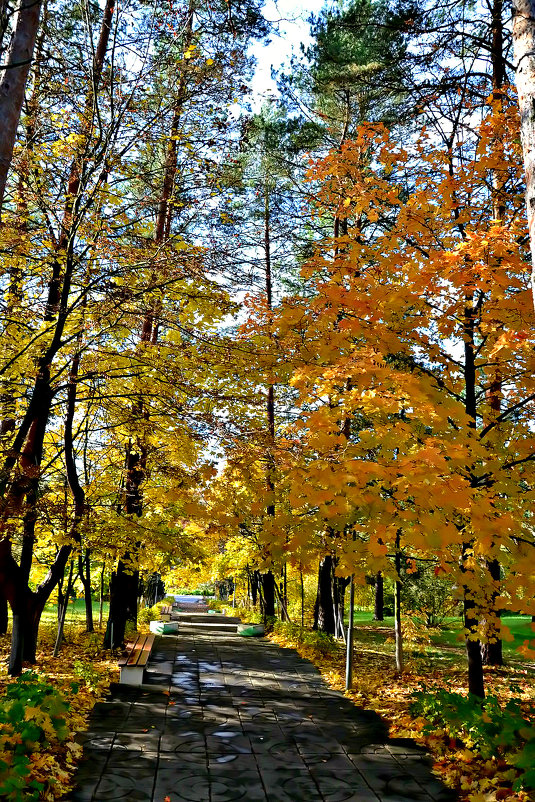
122	781
88	775
180	782
221	718
289	785
341	784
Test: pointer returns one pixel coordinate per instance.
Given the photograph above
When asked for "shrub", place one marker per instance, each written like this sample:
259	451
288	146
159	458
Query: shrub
318	642
32	717
485	726
431	597
147	614
87	674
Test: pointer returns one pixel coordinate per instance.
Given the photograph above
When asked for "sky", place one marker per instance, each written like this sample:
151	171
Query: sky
290	19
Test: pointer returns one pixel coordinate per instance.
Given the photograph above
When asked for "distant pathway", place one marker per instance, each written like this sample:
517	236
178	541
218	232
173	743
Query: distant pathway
225	718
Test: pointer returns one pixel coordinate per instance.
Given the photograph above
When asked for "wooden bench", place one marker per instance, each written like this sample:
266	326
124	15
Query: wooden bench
133	664
165	613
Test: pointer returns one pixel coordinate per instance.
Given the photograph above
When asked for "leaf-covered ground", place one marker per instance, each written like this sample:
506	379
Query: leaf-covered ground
377	686
82	673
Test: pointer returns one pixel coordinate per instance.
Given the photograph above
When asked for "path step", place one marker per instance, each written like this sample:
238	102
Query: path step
203	618
205	626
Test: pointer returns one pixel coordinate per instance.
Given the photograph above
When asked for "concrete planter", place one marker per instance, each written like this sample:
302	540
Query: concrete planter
250	630
164	627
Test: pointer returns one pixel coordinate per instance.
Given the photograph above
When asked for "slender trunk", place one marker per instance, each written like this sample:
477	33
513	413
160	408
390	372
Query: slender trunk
324	606
13	82
349	638
476	683
84	570
492	650
379	598
397	607
63	614
255	584
268	578
284	610
123	604
101	597
165	210
302	599
339	589
61	599
524	57
285	587
268	588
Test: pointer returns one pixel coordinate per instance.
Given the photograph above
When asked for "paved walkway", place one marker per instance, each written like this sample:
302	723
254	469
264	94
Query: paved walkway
225	718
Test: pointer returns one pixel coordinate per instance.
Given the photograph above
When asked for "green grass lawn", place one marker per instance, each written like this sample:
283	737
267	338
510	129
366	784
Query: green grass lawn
75	613
449	637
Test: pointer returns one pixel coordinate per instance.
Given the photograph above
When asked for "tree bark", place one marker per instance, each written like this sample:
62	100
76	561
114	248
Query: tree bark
397	607
302	599
379	600
492	650
476	683
84	571
524	58
13	82
123	604
101	597
63	612
3	615
339	589
324	607
268	588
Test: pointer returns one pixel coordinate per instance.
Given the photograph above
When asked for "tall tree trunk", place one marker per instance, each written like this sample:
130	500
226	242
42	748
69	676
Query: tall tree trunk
524	57
302	599
379	598
397	606
339	589
268	588
123	604
476	684
492	650
124	584
4	23
324	607
3	615
350	638
13	82
101	597
63	611
84	571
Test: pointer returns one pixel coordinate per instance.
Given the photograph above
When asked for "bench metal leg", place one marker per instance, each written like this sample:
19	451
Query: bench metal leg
131	675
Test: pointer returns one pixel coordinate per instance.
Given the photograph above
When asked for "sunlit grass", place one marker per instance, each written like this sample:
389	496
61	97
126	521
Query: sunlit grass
444	643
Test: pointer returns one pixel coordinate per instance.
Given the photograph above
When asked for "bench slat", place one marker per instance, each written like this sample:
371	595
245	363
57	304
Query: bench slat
135	653
128	649
138	651
145	653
